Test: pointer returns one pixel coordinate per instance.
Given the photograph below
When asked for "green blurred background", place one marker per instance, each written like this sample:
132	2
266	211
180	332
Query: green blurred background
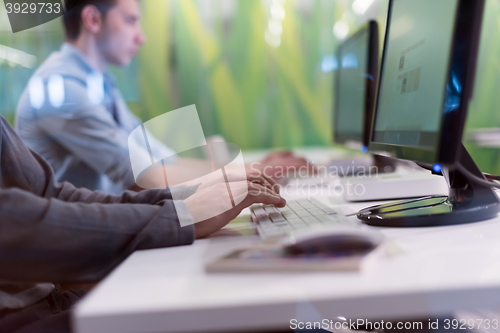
259	71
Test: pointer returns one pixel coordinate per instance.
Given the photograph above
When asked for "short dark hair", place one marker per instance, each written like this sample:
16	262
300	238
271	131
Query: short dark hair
72	19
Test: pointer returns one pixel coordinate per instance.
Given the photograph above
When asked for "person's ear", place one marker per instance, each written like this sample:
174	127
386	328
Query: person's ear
91	19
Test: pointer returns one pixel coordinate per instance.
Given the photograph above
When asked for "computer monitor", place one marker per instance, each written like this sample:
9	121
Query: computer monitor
356	79
356	83
426	81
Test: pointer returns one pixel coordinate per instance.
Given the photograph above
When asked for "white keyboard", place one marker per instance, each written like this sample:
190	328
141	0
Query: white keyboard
274	222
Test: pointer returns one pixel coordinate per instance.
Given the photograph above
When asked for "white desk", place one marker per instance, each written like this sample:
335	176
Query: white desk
438	270
434	272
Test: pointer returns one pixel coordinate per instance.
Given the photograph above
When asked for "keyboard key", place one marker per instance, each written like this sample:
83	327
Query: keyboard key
297	223
303	213
271	210
315	211
273	222
266	223
312	221
330	211
321	216
304	204
288	214
325	208
259	212
276	217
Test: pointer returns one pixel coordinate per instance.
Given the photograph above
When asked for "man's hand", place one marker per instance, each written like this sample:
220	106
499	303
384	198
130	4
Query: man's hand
282	164
193	172
263	180
212	199
236	174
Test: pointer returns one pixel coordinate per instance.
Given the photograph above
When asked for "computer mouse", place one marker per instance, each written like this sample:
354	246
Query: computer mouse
332	242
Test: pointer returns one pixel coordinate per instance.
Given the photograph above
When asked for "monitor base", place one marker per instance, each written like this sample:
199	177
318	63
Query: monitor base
468	201
426	212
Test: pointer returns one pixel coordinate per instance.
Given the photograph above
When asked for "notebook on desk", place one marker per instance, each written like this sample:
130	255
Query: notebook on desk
265	259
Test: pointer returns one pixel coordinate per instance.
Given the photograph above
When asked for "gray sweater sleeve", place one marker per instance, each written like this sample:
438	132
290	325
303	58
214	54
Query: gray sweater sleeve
57	233
51	240
67	192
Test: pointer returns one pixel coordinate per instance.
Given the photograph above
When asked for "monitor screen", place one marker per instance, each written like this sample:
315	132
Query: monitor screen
426	82
357	58
422	78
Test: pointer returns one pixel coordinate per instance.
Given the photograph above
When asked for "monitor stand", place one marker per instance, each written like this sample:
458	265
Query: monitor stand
384	164
467	201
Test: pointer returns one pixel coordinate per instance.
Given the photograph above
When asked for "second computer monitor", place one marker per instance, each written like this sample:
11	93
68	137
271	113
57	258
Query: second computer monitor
355	86
426	81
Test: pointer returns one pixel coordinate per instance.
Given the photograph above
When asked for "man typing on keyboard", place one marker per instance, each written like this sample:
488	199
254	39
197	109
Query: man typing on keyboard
52	233
274	222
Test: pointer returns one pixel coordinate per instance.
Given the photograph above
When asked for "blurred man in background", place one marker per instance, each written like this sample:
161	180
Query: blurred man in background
82	127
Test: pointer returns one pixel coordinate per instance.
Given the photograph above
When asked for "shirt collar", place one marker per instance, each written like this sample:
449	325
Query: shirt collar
71	51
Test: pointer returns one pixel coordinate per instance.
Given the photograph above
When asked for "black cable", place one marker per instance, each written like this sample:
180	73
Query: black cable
491	177
475	178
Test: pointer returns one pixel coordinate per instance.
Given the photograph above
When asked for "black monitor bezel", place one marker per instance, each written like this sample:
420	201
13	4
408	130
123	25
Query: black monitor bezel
370	84
463	57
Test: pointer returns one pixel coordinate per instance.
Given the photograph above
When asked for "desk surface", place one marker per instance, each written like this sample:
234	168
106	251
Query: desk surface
431	272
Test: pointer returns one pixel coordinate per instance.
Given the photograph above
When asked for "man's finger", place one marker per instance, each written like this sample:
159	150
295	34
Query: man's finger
284	153
262	183
261	194
253	190
275	186
265	181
